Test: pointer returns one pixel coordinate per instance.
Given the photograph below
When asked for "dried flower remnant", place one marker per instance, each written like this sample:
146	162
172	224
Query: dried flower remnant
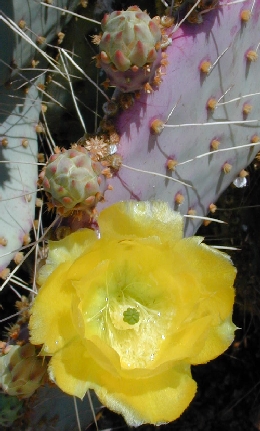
98	147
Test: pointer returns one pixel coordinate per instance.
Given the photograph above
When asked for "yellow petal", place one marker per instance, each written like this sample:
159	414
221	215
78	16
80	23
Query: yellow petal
155	400
70	368
51	323
186	342
66	250
218	340
141	219
213	270
107	358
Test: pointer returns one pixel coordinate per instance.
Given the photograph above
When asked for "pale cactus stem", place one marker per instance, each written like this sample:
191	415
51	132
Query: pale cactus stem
199	107
37	25
18	176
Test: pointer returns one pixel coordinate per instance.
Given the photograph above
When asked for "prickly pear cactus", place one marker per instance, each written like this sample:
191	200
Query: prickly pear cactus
183	140
186	141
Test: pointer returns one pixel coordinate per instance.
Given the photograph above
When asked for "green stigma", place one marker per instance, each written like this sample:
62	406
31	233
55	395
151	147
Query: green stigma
131	316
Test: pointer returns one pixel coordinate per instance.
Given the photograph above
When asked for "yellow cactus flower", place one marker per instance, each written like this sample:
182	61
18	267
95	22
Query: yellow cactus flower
127	313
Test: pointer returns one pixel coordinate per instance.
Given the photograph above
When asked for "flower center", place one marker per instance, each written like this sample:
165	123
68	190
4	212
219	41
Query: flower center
129	312
135	331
